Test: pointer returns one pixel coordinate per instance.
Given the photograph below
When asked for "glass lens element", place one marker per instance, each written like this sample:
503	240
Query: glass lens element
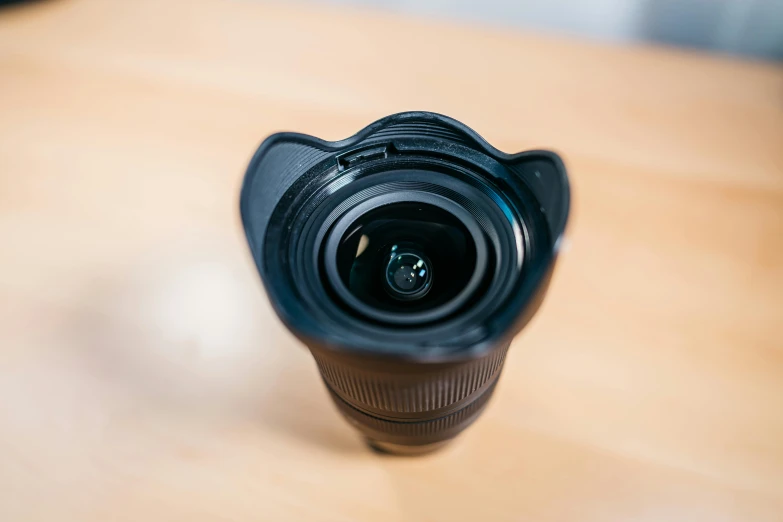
408	274
406	257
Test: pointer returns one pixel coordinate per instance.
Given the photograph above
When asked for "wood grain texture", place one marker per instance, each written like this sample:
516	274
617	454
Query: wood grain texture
143	375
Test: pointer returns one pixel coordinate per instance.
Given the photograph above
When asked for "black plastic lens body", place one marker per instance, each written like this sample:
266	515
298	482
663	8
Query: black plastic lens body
406	258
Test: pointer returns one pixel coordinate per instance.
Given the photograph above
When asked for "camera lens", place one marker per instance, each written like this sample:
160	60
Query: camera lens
406	258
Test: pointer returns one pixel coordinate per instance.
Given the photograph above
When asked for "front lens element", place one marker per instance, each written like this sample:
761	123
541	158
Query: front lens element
388	257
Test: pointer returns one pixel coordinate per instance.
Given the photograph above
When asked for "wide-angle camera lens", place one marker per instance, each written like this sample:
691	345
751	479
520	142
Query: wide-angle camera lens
406	258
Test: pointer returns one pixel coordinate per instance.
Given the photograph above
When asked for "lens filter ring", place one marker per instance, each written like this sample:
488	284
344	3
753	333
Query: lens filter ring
313	221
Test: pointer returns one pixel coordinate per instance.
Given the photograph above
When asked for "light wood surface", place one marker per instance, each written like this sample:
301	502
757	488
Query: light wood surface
143	376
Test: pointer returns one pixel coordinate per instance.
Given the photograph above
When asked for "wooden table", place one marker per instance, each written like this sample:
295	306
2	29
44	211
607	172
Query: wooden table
144	376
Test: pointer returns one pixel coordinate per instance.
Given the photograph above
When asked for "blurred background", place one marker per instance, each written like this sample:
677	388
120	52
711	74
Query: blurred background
145	377
746	27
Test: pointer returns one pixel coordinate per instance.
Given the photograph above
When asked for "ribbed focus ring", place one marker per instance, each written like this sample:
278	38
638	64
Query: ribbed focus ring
417	432
387	392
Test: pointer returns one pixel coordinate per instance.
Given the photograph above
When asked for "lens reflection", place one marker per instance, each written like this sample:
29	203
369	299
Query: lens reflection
408	275
389	257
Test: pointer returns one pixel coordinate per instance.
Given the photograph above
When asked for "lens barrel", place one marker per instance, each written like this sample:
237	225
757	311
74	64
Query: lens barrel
406	258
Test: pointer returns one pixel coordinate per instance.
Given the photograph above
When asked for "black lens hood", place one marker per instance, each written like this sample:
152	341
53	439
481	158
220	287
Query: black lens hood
298	188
